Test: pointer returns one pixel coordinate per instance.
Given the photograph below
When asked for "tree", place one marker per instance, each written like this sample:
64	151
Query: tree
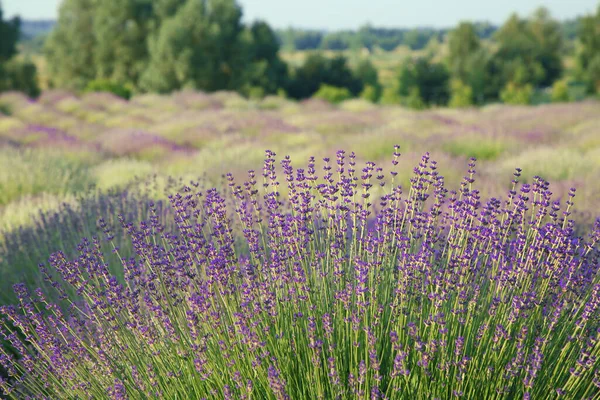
9	35
198	47
517	94
560	91
588	59
529	52
265	69
426	79
516	53
337	41
20	76
163	9
332	94
120	30
14	74
307	40
461	94
463	42
367	73
318	70
549	44
469	62
70	46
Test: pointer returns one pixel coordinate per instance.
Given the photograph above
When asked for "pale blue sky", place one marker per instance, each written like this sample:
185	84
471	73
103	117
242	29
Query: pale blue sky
340	14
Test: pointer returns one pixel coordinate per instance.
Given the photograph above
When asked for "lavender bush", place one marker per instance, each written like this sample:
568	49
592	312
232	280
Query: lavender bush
344	287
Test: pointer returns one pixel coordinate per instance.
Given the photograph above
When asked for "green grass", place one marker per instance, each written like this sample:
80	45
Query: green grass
479	147
35	171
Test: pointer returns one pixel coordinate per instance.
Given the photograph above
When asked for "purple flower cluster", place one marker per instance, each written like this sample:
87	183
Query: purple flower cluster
342	284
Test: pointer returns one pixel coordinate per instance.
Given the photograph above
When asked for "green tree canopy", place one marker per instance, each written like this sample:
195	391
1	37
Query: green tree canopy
9	35
264	68
529	51
120	30
71	44
367	73
318	70
198	47
549	39
162	45
463	42
588	58
425	79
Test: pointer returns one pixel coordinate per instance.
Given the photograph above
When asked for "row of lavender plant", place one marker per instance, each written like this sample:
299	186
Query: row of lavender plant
344	287
22	248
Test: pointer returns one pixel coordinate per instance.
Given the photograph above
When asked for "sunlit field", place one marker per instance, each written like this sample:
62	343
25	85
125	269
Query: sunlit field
58	146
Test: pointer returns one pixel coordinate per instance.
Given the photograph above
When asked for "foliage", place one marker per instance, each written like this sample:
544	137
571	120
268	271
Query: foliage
469	62
371	94
9	35
331	291
337	41
461	95
529	50
265	69
426	80
560	91
121	29
514	93
589	55
105	85
20	76
318	70
14	74
300	39
367	73
367	37
181	57
70	46
463	42
390	96
333	94
162	46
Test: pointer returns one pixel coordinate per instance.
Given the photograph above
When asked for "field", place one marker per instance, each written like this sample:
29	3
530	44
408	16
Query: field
69	165
59	145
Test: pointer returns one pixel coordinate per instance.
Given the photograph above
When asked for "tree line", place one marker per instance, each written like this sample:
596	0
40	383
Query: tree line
369	37
136	46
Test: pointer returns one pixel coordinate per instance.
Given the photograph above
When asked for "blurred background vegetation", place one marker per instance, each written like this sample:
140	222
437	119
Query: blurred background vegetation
131	47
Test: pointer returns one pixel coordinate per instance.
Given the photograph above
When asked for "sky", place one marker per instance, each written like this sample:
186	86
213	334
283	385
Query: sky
350	14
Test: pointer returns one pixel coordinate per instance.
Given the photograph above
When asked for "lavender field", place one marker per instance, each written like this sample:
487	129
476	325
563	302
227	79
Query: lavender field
58	145
395	268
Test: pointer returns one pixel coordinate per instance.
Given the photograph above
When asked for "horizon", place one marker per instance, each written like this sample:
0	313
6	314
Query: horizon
379	13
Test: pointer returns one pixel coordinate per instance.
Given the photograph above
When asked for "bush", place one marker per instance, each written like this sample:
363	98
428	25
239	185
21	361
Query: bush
342	295
371	93
318	70
461	95
414	99
390	96
428	78
333	94
560	91
19	76
517	94
103	85
255	92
